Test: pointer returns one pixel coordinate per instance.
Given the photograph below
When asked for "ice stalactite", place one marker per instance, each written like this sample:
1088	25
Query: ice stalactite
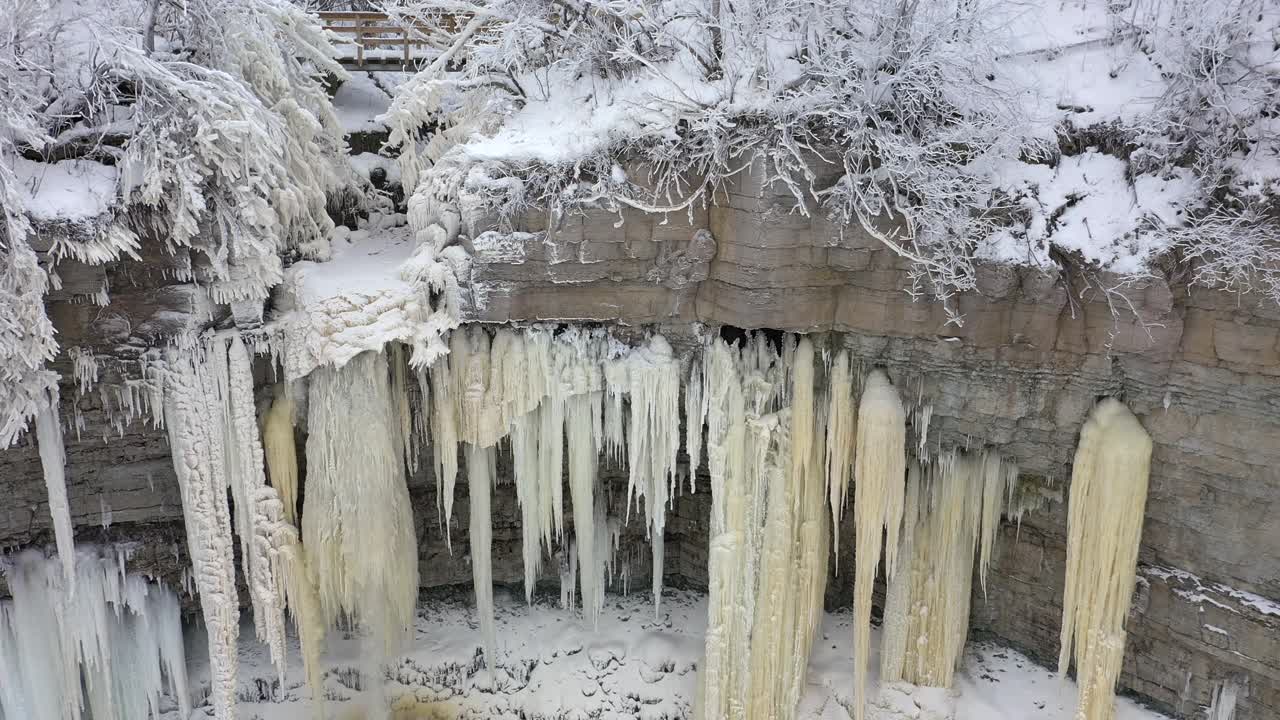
444	448
793	569
279	542
281	451
842	433
53	460
1104	526
695	412
242	451
878	498
400	397
952	513
192	416
524	458
769	529
999	478
1223	703
584	435
357	526
210	415
107	650
480	469
653	439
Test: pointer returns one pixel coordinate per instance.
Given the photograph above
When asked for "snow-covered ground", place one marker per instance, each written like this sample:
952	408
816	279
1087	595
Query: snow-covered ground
554	665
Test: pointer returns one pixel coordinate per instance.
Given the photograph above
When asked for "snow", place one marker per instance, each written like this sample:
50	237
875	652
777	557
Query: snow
375	287
1068	70
358	101
1087	204
366	163
604	114
71	190
553	664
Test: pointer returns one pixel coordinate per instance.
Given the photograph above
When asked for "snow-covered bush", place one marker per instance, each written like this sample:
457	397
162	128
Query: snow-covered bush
1220	117
873	111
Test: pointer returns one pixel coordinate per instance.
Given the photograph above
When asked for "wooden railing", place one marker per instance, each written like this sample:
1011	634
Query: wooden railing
368	30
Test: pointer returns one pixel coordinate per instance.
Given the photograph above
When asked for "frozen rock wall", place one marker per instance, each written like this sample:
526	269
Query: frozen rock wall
1200	368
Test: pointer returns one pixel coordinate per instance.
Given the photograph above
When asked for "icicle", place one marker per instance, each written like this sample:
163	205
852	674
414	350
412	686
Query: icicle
244	467
479	486
357	526
653	440
927	610
1104	526
583	460
53	460
842	433
694	418
400	397
879	485
524	456
999	478
550	466
444	431
1223	704
769	532
617	385
120	633
281	451
191	410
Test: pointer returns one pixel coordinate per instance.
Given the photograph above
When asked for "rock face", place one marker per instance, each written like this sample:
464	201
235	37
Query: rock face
1034	351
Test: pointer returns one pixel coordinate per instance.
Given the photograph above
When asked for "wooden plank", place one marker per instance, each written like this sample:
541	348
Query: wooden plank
372	29
351	15
390	42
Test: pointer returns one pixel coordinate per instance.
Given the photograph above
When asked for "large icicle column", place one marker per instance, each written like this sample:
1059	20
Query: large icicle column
480	462
653	439
769	529
107	647
952	513
1104	527
192	415
357	526
880	459
53	459
214	436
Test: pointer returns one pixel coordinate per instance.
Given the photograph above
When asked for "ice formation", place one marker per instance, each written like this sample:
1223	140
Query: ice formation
952	512
548	395
243	455
878	498
108	649
653	439
193	418
480	469
53	460
769	528
842	434
357	527
213	430
281	451
1223	704
1104	526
